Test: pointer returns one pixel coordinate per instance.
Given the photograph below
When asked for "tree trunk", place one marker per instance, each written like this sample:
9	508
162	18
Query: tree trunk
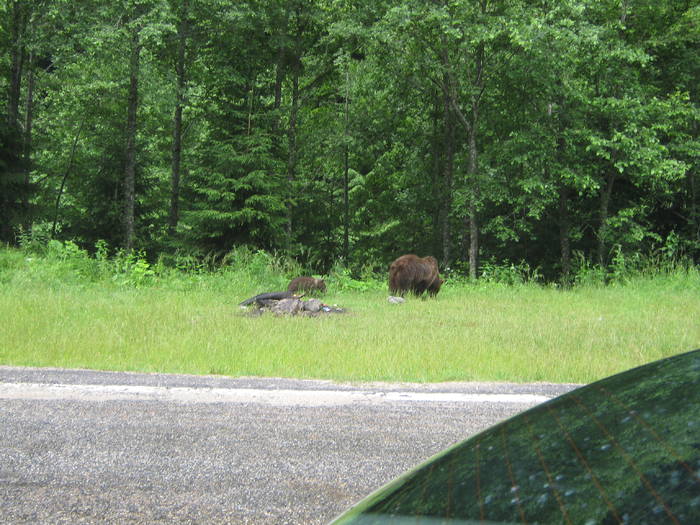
692	182
471	127
28	123
279	78
69	167
473	218
479	85
280	74
130	156
292	154
564	236
346	169
436	175
17	54
695	220
473	242
605	194
174	215
448	179
623	12
280	71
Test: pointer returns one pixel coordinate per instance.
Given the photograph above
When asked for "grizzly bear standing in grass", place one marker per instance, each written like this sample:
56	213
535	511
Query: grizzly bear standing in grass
410	273
307	284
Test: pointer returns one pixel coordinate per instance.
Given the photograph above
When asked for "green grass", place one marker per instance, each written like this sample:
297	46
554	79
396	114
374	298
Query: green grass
484	332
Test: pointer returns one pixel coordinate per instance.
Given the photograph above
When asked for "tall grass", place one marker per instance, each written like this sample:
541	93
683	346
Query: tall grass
65	309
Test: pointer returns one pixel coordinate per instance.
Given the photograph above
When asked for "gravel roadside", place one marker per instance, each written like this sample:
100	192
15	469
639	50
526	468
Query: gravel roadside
146	459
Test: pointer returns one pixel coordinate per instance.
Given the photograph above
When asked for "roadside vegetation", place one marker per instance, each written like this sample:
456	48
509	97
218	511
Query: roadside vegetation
62	307
547	154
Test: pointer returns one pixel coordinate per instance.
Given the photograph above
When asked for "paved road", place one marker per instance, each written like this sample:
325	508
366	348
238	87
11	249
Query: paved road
105	447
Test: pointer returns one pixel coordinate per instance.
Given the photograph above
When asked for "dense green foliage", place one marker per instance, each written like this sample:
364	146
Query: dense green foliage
556	136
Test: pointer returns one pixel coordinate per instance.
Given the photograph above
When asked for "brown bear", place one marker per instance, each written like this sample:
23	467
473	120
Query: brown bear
307	284
410	273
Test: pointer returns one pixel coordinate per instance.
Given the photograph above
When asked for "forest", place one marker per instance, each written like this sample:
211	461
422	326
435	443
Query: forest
549	135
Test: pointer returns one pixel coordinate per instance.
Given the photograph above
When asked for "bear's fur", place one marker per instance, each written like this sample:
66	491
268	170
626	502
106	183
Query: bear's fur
307	284
410	273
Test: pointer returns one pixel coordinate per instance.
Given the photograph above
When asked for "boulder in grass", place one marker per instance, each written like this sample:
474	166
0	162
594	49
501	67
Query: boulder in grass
286	303
289	306
312	305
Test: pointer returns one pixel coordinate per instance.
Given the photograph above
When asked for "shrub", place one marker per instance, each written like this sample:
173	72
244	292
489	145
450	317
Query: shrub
509	274
340	278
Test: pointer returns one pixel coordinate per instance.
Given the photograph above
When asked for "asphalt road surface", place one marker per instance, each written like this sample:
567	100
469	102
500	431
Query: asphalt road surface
106	447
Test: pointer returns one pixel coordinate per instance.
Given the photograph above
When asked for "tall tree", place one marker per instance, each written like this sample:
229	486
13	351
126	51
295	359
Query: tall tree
130	151
18	18
183	29
236	185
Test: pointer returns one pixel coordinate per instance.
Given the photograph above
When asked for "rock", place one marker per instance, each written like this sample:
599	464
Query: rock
312	305
289	306
396	300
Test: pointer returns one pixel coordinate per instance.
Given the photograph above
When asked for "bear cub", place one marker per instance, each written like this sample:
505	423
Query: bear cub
307	284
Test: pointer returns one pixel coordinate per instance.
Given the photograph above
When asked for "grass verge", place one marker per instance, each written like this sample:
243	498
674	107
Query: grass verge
468	333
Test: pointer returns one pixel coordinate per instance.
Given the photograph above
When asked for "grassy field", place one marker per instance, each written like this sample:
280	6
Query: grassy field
54	316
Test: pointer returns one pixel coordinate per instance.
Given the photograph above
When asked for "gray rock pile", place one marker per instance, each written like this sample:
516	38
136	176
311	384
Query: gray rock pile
278	304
